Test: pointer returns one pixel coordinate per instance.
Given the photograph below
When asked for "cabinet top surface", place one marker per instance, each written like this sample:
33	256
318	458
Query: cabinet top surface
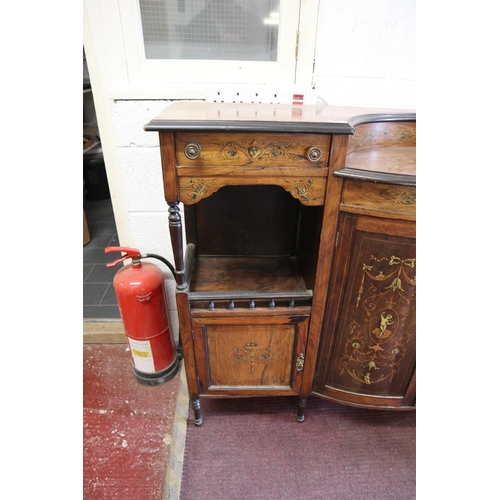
269	117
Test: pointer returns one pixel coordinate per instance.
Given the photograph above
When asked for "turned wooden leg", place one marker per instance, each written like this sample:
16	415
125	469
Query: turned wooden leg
175	228
302	408
198	420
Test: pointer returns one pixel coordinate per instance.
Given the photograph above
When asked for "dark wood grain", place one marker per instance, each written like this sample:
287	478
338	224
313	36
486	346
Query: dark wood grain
384	200
391	160
167	150
253	274
383	134
247	220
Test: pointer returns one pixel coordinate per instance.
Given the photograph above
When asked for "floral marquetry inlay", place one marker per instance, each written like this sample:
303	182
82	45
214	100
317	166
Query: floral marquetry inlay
301	189
407	198
200	188
252	354
377	341
271	151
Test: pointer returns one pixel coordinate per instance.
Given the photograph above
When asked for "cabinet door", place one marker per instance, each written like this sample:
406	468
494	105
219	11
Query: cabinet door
367	355
249	355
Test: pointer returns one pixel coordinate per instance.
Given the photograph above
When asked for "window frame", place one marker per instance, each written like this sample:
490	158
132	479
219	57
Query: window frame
134	76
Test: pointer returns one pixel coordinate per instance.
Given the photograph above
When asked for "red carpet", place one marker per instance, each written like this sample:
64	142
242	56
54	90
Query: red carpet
254	449
126	428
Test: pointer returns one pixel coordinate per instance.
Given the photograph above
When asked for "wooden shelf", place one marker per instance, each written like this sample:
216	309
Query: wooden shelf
390	160
246	278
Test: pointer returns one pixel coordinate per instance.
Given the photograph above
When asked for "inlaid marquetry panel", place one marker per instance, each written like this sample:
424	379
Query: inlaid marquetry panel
374	348
245	352
310	191
262	153
250	355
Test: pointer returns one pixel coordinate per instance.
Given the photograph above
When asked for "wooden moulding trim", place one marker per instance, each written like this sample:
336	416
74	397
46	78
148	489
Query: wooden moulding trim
109	332
250	126
248	295
278	316
363	400
386	178
242	391
223	392
356	209
381	117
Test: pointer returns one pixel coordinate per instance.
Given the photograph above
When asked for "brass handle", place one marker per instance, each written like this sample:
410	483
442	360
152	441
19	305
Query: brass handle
299	365
192	150
314	153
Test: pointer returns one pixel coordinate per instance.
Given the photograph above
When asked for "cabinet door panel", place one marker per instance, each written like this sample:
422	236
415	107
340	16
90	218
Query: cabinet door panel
249	358
369	346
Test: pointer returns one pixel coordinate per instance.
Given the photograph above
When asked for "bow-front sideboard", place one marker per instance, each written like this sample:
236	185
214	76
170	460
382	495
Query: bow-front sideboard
297	275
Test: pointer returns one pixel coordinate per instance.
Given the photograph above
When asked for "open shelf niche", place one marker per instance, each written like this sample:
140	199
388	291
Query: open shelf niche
251	247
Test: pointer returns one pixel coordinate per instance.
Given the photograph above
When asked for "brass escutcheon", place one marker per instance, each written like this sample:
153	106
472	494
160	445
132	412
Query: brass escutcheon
300	362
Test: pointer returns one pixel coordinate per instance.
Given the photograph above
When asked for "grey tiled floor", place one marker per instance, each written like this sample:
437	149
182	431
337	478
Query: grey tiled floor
99	299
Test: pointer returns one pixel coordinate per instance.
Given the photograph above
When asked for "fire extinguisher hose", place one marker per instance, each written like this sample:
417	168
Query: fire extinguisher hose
162	259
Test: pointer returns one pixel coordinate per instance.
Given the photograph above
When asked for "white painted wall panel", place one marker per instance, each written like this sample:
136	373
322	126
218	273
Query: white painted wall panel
130	118
366	53
369	92
142	179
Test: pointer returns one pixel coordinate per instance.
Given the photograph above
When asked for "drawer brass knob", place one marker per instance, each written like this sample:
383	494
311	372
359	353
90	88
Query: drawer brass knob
192	150
314	153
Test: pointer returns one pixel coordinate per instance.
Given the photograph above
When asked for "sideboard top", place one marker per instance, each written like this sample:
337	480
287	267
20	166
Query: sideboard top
191	115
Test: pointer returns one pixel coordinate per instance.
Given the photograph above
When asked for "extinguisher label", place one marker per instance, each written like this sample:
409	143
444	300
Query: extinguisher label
142	355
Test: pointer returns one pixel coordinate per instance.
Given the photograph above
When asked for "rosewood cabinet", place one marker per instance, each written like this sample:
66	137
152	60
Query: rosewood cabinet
368	345
368	351
275	209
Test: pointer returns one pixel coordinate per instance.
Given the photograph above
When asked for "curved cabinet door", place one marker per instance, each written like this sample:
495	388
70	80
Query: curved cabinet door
367	357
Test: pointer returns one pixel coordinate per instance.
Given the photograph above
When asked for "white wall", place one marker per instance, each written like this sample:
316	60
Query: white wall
366	53
140	169
365	56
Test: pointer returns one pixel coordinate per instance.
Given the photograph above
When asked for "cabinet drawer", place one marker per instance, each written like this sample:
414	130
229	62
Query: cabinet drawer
265	154
383	200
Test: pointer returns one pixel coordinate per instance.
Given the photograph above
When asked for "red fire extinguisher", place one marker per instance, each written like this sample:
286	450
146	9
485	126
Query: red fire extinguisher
140	292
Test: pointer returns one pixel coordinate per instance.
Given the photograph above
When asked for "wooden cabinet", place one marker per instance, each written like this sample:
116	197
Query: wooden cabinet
368	352
367	355
264	295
